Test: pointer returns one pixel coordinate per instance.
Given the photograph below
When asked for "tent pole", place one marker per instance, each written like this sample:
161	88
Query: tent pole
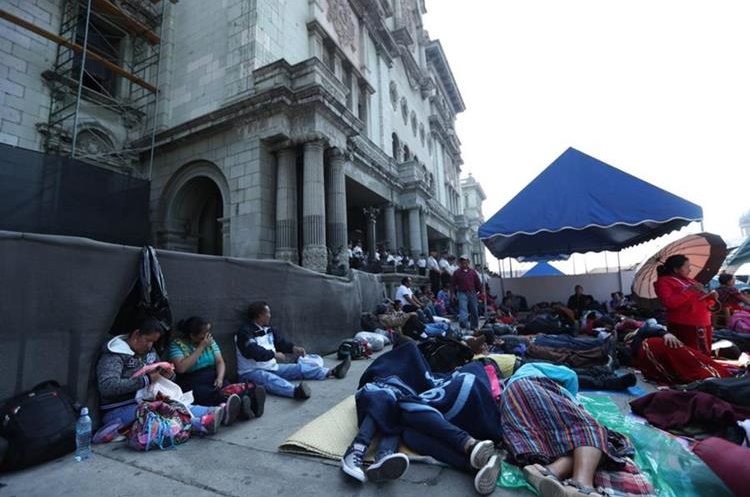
510	263
619	271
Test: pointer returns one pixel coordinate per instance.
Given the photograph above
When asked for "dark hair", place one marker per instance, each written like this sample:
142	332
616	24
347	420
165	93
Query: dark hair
149	326
672	263
725	278
255	309
192	326
405	280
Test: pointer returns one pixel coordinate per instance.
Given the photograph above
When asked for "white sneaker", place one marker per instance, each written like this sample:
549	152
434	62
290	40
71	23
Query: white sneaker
481	453
485	480
351	463
390	467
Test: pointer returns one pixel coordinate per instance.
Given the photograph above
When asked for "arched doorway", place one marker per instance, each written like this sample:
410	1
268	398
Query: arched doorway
196	212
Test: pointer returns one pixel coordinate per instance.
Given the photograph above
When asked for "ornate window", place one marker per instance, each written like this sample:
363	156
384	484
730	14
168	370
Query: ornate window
421	133
404	110
396	147
394	96
414	123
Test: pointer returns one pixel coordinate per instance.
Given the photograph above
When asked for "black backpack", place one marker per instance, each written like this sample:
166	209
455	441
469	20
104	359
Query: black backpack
355	348
39	425
445	354
733	390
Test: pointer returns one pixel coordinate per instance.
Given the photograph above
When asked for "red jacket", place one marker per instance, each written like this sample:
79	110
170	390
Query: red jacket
680	299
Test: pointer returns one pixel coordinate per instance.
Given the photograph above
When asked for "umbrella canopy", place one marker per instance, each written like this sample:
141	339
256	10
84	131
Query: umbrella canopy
542	269
581	204
705	251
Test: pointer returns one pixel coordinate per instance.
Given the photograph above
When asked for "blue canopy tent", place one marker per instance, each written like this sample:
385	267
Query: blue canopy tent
581	204
738	256
542	269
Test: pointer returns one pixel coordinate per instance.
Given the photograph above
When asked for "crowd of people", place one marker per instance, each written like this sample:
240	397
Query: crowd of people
516	388
537	373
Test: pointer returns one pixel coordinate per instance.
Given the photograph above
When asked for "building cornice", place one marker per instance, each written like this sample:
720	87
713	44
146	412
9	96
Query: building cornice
373	14
278	88
436	57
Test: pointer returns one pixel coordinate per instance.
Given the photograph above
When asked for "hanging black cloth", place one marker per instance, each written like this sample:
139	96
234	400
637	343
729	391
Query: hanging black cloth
147	299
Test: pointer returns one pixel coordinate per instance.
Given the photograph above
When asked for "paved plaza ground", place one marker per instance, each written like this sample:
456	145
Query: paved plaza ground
242	460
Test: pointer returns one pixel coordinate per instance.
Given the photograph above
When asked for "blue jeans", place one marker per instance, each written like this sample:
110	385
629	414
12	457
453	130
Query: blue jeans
436	329
275	382
467	310
125	415
367	431
427	432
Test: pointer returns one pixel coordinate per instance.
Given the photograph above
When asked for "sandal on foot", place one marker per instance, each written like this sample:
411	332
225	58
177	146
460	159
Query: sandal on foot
544	480
574	488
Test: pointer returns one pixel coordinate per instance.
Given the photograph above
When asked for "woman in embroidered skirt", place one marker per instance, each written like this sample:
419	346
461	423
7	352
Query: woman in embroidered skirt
558	443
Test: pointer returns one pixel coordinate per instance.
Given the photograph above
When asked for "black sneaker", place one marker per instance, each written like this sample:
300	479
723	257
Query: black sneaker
258	400
231	409
351	463
246	410
342	368
390	467
302	392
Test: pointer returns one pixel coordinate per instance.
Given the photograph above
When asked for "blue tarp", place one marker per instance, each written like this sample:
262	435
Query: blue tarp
542	269
581	204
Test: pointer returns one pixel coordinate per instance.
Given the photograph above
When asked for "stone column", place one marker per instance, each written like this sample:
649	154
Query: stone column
314	253
287	248
336	224
390	227
399	229
415	233
371	215
423	232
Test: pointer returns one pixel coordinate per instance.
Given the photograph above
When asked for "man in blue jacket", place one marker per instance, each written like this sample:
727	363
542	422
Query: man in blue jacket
261	353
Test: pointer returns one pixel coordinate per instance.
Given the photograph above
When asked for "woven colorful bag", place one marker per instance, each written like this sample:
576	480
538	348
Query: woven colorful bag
159	424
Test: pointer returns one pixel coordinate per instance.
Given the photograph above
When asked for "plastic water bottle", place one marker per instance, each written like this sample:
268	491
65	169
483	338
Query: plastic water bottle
83	436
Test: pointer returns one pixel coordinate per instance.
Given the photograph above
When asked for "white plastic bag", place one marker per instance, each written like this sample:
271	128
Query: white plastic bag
168	389
311	359
377	342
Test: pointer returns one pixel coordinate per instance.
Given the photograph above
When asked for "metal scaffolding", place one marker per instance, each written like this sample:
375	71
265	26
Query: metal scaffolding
106	71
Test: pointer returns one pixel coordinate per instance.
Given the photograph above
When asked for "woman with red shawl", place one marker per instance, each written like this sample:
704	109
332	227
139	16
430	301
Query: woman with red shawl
681	353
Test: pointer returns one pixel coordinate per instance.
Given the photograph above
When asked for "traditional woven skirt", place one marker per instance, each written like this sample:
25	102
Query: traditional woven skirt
541	423
660	363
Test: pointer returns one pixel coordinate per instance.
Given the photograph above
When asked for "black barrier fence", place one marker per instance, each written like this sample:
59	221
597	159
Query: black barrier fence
49	194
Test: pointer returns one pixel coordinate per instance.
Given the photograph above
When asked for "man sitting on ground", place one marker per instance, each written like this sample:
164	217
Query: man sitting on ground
405	296
260	350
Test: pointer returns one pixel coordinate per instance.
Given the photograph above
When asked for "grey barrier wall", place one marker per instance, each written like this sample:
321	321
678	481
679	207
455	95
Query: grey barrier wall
59	296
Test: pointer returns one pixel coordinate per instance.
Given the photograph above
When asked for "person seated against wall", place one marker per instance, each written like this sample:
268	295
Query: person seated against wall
728	295
201	369
262	352
121	358
579	301
405	296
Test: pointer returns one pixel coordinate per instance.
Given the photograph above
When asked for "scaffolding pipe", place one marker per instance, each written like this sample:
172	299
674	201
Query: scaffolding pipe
80	79
156	97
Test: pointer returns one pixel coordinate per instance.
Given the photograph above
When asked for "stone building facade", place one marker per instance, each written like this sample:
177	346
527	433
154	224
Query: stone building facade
473	197
277	123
